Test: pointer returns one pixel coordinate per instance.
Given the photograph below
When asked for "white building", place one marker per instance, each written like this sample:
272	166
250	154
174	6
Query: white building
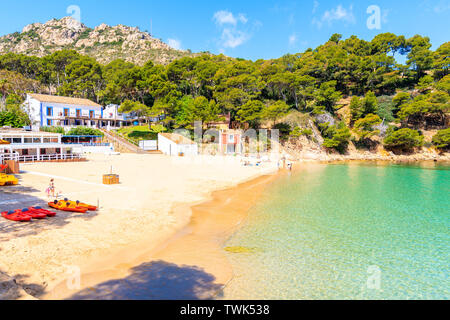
175	145
28	146
47	110
113	118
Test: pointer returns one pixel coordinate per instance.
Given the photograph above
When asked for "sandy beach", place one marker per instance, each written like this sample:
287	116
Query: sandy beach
143	226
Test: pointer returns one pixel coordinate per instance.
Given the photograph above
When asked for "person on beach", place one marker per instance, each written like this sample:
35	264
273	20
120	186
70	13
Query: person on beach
51	188
289	165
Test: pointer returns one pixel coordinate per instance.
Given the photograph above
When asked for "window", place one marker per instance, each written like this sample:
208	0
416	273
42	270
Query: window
25	152
47	140
91	114
43	151
78	113
49	111
231	138
28	140
66	112
16	140
58	150
36	140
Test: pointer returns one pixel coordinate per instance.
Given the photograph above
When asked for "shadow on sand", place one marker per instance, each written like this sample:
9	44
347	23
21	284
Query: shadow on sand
17	286
156	281
19	197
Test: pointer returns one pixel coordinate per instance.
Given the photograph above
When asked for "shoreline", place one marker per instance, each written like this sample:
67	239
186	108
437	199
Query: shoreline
200	226
205	231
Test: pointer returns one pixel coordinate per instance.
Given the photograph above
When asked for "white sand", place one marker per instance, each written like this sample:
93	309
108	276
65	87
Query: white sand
135	216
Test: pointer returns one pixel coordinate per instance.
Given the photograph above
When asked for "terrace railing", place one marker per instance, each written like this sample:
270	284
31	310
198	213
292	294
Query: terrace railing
40	158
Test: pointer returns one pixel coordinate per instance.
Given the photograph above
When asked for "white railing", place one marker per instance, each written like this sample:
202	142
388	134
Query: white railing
42	157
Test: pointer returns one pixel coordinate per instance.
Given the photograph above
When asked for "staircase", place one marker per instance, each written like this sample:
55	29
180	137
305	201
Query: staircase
121	144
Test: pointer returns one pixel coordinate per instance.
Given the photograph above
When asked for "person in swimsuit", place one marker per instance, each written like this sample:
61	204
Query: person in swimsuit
51	188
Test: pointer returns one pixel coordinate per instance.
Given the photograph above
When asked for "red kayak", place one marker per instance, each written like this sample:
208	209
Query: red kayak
34	214
18	216
42	211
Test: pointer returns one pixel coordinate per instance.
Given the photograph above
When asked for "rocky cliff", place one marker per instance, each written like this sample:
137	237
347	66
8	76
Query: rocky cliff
104	43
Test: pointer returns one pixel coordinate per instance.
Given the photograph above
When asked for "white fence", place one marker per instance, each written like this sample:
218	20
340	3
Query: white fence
148	145
42	157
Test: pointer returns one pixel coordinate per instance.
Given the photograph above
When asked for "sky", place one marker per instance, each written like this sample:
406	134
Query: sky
247	29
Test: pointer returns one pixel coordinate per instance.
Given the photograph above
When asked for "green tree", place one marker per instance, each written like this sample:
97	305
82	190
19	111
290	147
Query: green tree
13	114
420	58
400	99
403	140
425	83
442	139
327	95
442	61
360	108
365	127
275	111
444	84
140	109
84	79
250	112
335	136
84	131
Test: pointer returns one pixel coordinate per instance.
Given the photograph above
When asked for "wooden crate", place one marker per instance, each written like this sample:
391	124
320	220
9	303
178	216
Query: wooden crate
111	179
13	167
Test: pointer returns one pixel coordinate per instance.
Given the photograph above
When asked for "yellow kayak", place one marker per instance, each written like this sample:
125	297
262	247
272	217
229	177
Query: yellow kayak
8	179
82	205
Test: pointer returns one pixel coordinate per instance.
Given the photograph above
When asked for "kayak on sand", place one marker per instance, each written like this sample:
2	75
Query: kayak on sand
42	211
81	204
17	216
66	206
34	214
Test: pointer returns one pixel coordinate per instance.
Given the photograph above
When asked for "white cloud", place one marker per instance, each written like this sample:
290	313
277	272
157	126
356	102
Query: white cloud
293	39
315	6
233	38
226	17
232	35
174	43
441	7
385	16
336	14
242	18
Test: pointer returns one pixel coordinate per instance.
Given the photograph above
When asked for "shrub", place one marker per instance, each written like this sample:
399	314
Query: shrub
336	136
366	127
284	129
403	139
84	131
298	132
442	139
53	129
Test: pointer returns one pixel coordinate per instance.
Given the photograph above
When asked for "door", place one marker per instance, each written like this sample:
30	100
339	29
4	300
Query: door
231	148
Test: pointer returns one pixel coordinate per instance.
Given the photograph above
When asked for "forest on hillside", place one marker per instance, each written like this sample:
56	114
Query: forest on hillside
387	99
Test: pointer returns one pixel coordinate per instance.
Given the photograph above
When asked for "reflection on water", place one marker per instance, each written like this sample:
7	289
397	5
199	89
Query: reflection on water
336	231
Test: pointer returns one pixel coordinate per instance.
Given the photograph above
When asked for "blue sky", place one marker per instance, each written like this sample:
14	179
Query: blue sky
245	28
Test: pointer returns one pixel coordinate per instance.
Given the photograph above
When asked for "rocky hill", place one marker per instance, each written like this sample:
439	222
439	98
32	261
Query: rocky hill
104	43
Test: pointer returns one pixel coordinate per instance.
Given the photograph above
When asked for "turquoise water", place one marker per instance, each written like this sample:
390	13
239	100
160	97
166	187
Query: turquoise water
348	231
